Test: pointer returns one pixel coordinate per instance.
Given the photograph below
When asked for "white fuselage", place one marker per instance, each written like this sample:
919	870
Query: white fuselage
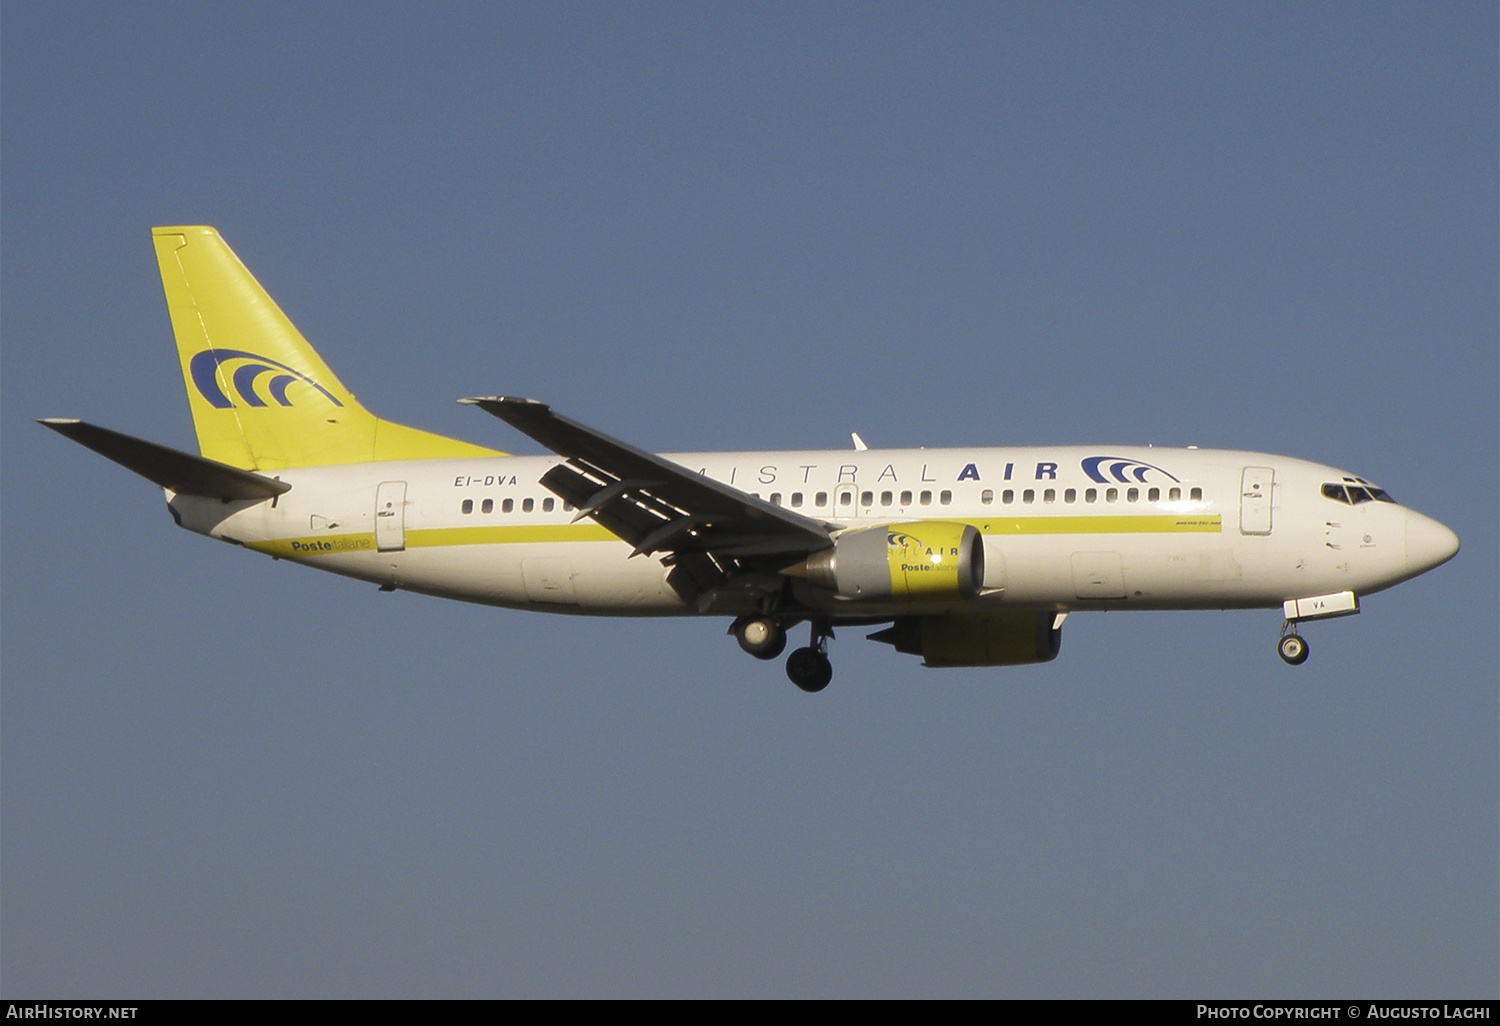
1065	528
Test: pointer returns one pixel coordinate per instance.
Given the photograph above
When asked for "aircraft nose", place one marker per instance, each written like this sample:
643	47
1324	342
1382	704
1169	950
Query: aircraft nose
1428	543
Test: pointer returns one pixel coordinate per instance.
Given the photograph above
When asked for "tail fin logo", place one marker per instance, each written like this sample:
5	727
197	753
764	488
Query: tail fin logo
205	369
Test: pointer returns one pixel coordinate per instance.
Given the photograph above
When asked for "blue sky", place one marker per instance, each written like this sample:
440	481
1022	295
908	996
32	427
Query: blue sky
1269	227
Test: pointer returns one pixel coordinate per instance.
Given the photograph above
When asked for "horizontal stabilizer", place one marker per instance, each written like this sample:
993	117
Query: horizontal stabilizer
179	471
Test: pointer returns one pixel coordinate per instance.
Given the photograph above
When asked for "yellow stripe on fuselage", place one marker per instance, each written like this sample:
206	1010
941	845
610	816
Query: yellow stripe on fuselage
331	544
507	535
522	534
1170	523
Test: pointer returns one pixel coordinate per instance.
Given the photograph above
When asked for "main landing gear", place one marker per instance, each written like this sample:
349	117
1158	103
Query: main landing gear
764	637
809	668
761	636
1292	647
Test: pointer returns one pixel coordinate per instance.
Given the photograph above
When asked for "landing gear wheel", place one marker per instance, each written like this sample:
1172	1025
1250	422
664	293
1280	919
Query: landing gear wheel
809	669
1293	649
761	636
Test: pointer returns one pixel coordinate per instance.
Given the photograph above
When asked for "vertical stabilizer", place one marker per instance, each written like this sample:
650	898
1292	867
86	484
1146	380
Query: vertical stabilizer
262	398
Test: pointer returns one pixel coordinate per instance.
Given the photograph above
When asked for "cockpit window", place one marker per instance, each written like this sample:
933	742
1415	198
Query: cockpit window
1354	494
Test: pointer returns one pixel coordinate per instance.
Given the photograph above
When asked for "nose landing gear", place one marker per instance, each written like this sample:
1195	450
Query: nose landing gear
1292	647
1317	607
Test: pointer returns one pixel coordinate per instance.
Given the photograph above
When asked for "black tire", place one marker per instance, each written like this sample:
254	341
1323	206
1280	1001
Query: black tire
809	669
1293	650
761	636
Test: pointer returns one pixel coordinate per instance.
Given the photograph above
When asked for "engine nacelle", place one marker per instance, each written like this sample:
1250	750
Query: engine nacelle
1009	639
930	559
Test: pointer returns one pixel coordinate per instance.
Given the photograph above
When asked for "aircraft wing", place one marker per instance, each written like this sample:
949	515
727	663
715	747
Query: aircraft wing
708	529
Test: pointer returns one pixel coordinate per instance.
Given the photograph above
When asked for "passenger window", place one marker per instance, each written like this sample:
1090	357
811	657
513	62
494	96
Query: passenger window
846	499
821	499
527	505
987	496
927	498
507	505
468	506
1092	495
487	506
906	498
1197	494
886	498
945	498
547	505
1154	495
1112	495
867	498
567	507
796	500
1071	495
1050	495
1133	495
1008	496
1175	495
1028	496
776	498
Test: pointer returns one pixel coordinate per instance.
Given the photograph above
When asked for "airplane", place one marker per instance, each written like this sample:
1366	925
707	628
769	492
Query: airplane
963	556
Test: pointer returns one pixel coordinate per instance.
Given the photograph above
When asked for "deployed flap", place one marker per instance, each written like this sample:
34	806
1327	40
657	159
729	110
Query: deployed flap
179	471
653	503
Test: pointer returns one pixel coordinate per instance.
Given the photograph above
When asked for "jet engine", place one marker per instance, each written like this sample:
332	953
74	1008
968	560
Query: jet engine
928	559
1009	639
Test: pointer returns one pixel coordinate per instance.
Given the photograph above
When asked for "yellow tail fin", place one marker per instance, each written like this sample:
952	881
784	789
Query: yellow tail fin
262	398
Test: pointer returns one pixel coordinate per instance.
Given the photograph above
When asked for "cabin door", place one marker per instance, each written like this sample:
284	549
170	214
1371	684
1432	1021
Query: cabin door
390	516
1255	500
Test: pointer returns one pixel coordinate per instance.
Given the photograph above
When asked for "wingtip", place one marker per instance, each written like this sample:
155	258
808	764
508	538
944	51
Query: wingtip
501	400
